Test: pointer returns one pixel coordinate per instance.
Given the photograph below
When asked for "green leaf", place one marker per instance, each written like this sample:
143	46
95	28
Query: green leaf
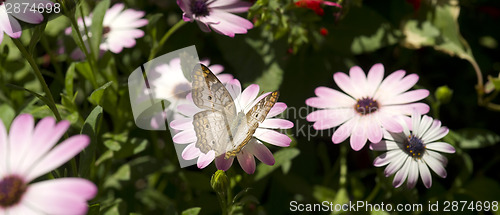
96	29
90	128
483	189
356	36
440	30
94	209
7	114
473	138
85	70
322	193
68	81
39	96
122	174
96	96
280	157
192	211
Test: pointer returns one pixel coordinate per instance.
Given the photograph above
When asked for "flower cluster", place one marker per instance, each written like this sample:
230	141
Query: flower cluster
373	108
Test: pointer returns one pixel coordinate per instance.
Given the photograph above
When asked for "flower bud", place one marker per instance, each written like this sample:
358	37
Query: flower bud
219	181
443	94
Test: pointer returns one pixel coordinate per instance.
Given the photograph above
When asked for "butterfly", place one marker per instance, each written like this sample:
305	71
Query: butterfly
219	126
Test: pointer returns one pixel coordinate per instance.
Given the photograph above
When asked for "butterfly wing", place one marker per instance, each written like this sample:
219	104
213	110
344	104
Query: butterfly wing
212	126
256	115
209	93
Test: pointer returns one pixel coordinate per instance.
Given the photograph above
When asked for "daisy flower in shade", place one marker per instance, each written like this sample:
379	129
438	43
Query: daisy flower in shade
217	14
28	152
244	102
8	21
168	82
413	151
369	106
120	29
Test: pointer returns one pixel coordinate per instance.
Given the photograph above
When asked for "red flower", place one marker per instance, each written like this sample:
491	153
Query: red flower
415	4
323	31
315	5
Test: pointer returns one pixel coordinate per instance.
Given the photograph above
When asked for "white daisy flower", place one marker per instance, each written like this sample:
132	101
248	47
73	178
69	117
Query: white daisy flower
411	153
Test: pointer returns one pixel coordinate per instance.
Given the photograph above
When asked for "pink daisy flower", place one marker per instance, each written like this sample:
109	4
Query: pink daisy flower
27	153
414	151
369	106
8	21
217	14
167	82
265	132
120	29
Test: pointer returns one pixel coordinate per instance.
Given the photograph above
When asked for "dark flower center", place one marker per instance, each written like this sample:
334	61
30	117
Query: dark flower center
181	90
366	106
199	7
106	30
12	189
414	146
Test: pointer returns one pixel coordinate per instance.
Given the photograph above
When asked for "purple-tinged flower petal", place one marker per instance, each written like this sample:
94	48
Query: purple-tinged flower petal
384	145
345	83
425	174
186	136
410	96
59	155
436	135
247	162
435	165
344	130
20	138
401	175
276	124
205	159
278	108
182	124
248	95
223	164
390	123
395	164
272	137
190	152
113	12
358	78
9	25
260	151
374	77
358	136
441	147
412	174
52	197
385	158
373	130
329	118
3	147
46	134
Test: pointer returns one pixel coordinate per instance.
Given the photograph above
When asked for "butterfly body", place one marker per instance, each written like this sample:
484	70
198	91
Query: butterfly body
219	126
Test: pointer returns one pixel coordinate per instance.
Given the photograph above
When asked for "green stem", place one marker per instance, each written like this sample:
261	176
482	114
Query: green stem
223	203
374	193
343	165
88	55
164	39
38	74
